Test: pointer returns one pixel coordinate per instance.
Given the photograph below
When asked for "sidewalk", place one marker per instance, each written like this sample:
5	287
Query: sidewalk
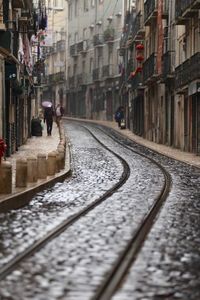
186	157
35	145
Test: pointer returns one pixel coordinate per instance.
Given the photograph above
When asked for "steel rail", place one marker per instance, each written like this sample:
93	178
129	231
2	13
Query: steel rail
126	259
13	263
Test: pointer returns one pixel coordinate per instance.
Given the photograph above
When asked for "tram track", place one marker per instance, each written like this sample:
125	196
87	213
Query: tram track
117	272
13	263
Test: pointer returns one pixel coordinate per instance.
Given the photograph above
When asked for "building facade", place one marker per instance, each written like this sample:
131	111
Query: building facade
54	51
93	61
160	88
15	69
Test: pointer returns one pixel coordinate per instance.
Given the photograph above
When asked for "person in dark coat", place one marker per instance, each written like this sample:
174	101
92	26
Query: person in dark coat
48	118
119	115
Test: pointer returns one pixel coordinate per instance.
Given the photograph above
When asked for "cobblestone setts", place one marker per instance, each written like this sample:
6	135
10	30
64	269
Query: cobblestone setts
168	266
87	250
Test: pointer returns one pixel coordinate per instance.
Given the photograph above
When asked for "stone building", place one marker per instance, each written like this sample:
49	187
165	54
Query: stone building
187	76
54	51
15	70
160	88
93	61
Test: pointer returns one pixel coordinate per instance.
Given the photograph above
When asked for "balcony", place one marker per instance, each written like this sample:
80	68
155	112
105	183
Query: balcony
150	11
81	79
186	9
73	50
54	48
137	81
138	31
110	71
188	71
109	35
122	46
98	40
60	45
149	68
18	3
59	77
82	47
168	65
56	78
96	75
71	82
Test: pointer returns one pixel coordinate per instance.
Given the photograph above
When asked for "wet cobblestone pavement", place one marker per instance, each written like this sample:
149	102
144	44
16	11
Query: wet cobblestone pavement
73	265
168	266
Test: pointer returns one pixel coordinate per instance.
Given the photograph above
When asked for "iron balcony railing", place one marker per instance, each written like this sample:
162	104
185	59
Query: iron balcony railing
96	75
56	77
81	79
73	50
149	67
137	27
98	40
181	6
71	82
137	81
82	46
185	9
188	71
150	10
168	64
61	45
59	77
110	71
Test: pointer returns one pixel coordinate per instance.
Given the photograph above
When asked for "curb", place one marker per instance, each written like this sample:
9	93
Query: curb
23	197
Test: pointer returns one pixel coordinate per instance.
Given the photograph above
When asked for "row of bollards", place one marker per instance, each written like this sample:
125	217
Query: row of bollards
31	169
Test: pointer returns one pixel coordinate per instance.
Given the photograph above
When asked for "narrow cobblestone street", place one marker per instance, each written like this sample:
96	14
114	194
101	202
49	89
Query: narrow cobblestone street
74	264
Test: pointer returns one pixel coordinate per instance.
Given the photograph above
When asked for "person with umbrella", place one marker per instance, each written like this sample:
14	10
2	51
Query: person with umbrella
48	116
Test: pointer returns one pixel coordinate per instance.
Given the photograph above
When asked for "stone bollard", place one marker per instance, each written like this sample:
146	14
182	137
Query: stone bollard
32	169
61	148
61	153
51	163
57	162
42	166
21	172
5	177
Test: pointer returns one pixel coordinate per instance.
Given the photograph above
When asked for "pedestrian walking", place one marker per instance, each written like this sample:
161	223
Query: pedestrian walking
119	115
48	118
59	113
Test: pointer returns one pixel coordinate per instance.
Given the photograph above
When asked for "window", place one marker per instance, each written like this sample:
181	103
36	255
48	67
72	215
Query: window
69	40
76	8
84	33
83	67
74	69
58	4
70	12
91	64
196	39
86	5
69	71
76	37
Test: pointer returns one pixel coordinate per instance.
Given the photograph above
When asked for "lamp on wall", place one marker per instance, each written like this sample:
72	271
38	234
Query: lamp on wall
99	23
119	14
